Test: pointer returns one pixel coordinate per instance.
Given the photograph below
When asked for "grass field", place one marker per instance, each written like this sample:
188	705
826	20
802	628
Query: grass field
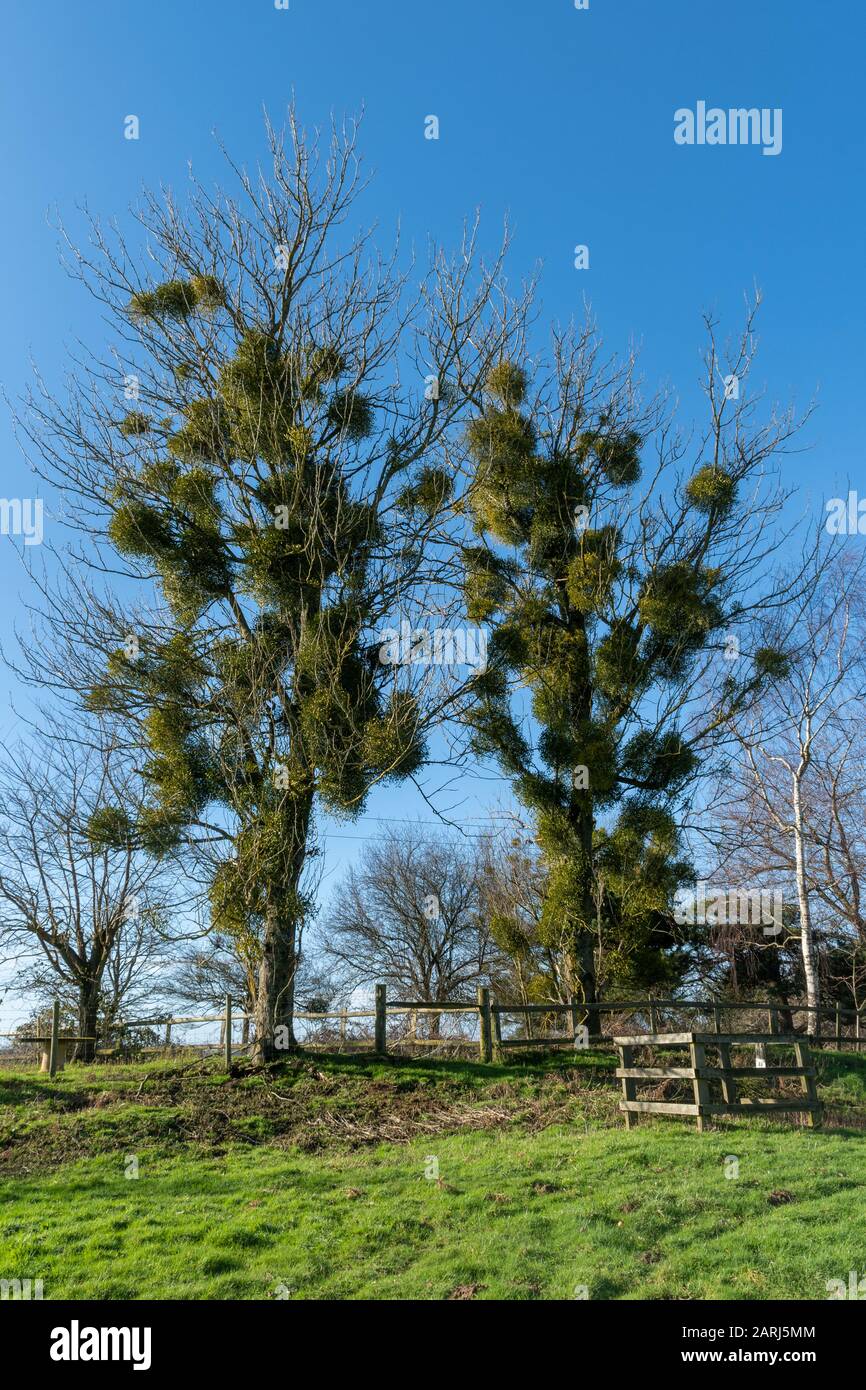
349	1178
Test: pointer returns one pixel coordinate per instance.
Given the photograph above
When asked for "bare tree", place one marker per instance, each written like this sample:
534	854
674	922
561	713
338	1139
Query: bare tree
410	916
132	983
513	883
77	915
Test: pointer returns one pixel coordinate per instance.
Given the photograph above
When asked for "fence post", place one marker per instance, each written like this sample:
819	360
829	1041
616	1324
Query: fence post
857	1030
496	1019
573	1004
167	1040
774	1082
381	1042
55	1035
485	1040
717	1018
654	1018
228	1039
342	1028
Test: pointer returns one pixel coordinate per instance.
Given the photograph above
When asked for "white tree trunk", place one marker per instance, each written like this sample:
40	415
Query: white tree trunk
807	943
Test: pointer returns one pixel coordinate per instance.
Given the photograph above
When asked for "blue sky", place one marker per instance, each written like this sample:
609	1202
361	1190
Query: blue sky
561	118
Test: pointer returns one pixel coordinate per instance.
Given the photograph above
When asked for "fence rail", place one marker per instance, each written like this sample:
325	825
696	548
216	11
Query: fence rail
584	1023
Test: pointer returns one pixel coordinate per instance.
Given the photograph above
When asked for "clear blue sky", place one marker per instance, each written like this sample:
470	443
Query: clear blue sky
562	118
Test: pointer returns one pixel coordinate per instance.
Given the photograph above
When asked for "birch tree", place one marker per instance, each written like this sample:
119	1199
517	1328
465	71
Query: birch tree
789	811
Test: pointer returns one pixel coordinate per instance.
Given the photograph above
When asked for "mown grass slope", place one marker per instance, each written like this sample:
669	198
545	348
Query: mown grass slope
349	1178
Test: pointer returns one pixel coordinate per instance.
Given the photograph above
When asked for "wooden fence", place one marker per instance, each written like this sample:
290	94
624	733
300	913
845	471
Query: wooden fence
828	1025
727	1073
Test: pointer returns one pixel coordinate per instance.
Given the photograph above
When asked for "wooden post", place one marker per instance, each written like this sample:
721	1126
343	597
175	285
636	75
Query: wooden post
774	1082
629	1085
167	1039
485	1040
807	1082
717	1018
381	1038
55	1038
228	1037
701	1086
729	1085
496	1017
343	1022
838	1025
857	1031
654	1018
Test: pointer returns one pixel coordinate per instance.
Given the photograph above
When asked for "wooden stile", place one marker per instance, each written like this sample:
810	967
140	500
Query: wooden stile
726	1073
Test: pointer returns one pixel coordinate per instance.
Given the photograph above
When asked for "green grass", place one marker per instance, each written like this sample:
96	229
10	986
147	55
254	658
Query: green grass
319	1182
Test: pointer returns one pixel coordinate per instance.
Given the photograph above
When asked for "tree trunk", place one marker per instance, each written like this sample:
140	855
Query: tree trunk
581	971
807	941
275	994
88	1012
275	988
588	981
